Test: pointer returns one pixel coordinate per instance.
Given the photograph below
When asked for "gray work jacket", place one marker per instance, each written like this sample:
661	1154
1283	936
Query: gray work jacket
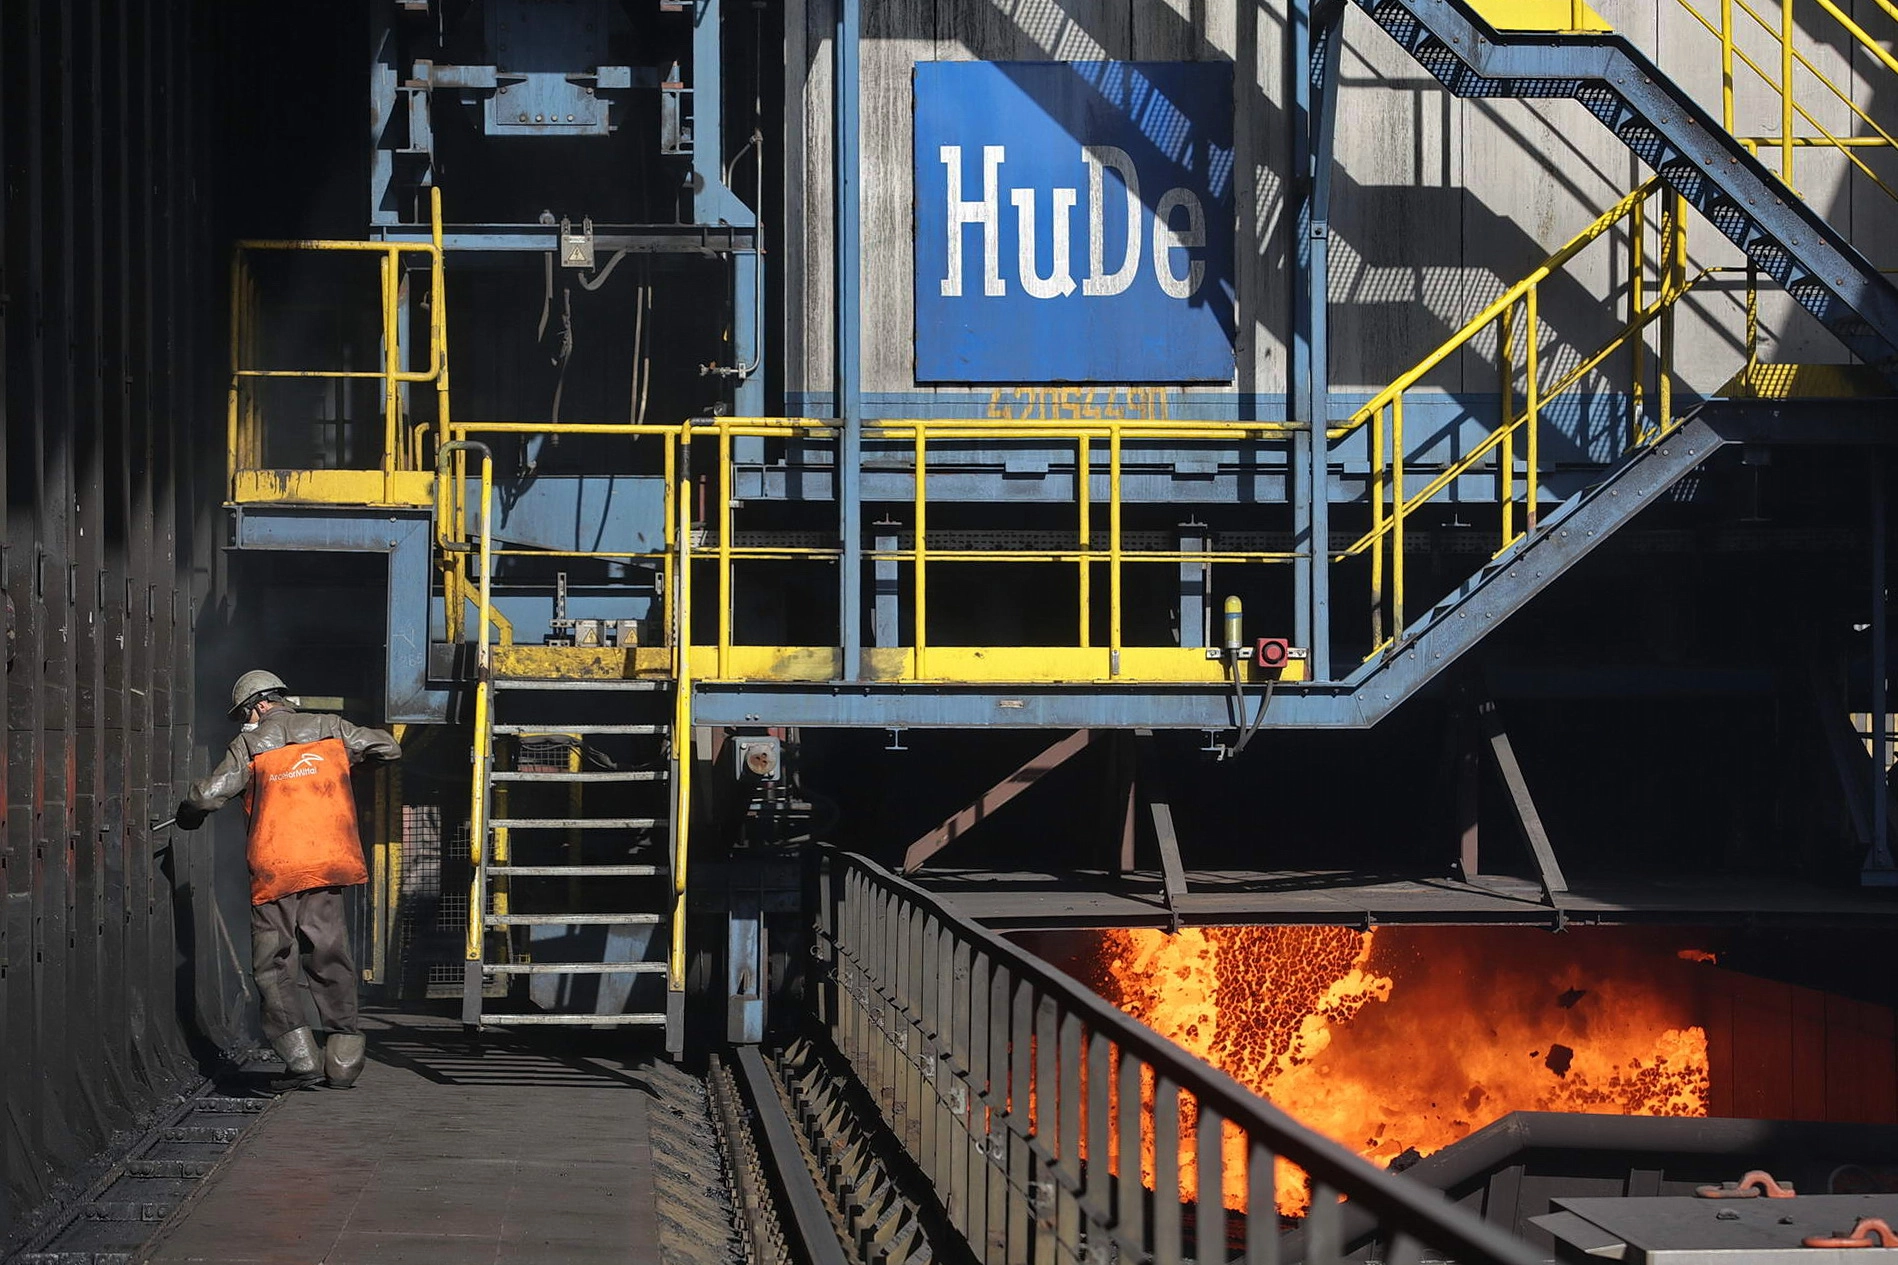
284	727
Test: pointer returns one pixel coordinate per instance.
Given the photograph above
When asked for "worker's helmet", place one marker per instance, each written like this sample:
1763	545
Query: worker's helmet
251	686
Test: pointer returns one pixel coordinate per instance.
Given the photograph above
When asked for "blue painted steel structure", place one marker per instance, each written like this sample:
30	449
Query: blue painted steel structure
847	92
1588	498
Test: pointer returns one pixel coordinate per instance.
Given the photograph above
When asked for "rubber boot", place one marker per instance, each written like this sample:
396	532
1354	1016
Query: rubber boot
342	1059
298	1048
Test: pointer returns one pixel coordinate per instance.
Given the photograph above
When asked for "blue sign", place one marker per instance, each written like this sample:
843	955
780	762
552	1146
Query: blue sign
1074	222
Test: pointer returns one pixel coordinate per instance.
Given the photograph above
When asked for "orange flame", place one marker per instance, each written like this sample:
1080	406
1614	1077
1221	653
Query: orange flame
1407	1039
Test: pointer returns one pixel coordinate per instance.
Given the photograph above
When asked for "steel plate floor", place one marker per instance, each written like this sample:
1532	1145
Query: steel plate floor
495	1149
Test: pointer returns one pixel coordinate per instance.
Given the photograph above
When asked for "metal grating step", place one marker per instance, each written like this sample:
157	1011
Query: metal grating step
576	968
574	823
573	920
546	729
576	871
626	775
611	683
644	1019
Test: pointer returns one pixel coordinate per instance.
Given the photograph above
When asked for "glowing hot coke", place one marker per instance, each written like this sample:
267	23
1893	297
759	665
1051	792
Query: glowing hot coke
1407	1039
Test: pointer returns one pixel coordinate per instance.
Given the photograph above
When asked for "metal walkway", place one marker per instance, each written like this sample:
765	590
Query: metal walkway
454	1148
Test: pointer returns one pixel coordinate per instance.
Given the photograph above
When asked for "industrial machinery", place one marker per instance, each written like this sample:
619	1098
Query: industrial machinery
1041	396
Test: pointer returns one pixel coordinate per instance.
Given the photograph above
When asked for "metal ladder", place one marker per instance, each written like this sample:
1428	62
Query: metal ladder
572	883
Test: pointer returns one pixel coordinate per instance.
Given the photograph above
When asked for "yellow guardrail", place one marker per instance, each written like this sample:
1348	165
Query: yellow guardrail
1787	60
1392	502
1099	447
484	693
403	474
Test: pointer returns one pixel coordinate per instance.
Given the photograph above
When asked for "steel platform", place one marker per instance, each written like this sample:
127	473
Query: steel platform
497	1148
1026	901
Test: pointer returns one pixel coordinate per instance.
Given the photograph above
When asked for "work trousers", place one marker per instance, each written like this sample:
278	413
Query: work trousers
305	929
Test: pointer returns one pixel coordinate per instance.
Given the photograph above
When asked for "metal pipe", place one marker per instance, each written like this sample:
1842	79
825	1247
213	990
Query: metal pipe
849	317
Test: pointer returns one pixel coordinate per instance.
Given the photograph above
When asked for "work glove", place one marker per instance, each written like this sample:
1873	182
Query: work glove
190	817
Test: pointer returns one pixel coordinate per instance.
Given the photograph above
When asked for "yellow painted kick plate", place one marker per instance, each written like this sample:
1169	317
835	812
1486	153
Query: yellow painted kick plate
1541	15
333	487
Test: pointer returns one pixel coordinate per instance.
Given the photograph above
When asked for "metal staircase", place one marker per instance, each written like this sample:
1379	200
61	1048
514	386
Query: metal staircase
572	904
1564	536
1715	171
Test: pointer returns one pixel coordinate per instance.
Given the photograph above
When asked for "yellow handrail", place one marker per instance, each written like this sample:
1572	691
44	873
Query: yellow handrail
1790	57
1392	502
726	551
244	425
484	687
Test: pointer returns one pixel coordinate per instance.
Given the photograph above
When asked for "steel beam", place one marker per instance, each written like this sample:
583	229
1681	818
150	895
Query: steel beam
408	542
1166	839
1548	870
992	799
848	301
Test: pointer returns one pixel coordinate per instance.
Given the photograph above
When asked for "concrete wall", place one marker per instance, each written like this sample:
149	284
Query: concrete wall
1438	205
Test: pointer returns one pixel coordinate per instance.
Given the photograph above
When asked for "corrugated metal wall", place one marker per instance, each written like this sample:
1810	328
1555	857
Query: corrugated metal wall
113	415
1439	203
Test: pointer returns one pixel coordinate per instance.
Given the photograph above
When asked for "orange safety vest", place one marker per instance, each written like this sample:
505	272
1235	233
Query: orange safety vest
302	821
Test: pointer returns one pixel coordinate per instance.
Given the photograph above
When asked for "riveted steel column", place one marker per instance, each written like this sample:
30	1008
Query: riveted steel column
849	306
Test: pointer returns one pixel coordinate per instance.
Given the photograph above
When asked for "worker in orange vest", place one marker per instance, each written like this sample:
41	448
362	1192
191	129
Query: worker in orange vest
292	768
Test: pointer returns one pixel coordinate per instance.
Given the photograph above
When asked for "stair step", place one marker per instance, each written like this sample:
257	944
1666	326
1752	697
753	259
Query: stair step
573	920
547	729
629	775
574	823
605	683
643	1019
575	871
576	968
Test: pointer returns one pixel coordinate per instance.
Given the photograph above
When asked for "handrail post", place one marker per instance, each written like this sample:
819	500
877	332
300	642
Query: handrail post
231	429
1084	491
1532	402
1726	62
670	543
1637	301
1506	459
1397	526
681	728
1377	527
483	754
1786	93
724	551
391	365
1113	549
438	314
920	512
